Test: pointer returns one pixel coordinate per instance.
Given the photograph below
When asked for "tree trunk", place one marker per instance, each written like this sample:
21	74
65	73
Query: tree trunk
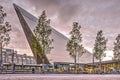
118	65
1	57
0	53
75	63
93	63
100	66
43	53
43	64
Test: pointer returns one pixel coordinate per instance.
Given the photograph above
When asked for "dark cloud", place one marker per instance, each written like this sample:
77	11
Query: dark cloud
67	12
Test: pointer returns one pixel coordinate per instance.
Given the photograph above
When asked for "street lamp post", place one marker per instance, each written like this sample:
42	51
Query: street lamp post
13	65
22	62
5	55
93	62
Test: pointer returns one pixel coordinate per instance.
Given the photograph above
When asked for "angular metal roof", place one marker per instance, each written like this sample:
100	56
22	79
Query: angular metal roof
59	53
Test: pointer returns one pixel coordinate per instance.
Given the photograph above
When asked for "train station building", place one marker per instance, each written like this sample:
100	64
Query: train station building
58	53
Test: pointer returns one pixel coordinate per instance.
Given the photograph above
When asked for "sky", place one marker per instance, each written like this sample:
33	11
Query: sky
92	15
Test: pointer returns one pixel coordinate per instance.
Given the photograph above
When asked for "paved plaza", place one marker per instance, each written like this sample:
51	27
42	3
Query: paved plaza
59	77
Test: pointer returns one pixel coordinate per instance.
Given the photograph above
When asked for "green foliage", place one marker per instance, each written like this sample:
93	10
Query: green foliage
5	28
36	46
74	46
100	46
43	32
117	48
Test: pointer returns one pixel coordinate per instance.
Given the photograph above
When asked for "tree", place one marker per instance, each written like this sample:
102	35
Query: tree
5	28
117	49
100	47
42	34
74	46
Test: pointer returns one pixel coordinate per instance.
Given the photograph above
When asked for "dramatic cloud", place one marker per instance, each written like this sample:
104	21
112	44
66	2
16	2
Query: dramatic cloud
93	15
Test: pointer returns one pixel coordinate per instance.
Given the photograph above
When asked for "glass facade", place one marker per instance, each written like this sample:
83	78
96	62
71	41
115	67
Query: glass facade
8	56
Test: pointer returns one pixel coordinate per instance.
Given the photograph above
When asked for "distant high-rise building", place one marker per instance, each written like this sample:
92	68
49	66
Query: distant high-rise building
59	53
